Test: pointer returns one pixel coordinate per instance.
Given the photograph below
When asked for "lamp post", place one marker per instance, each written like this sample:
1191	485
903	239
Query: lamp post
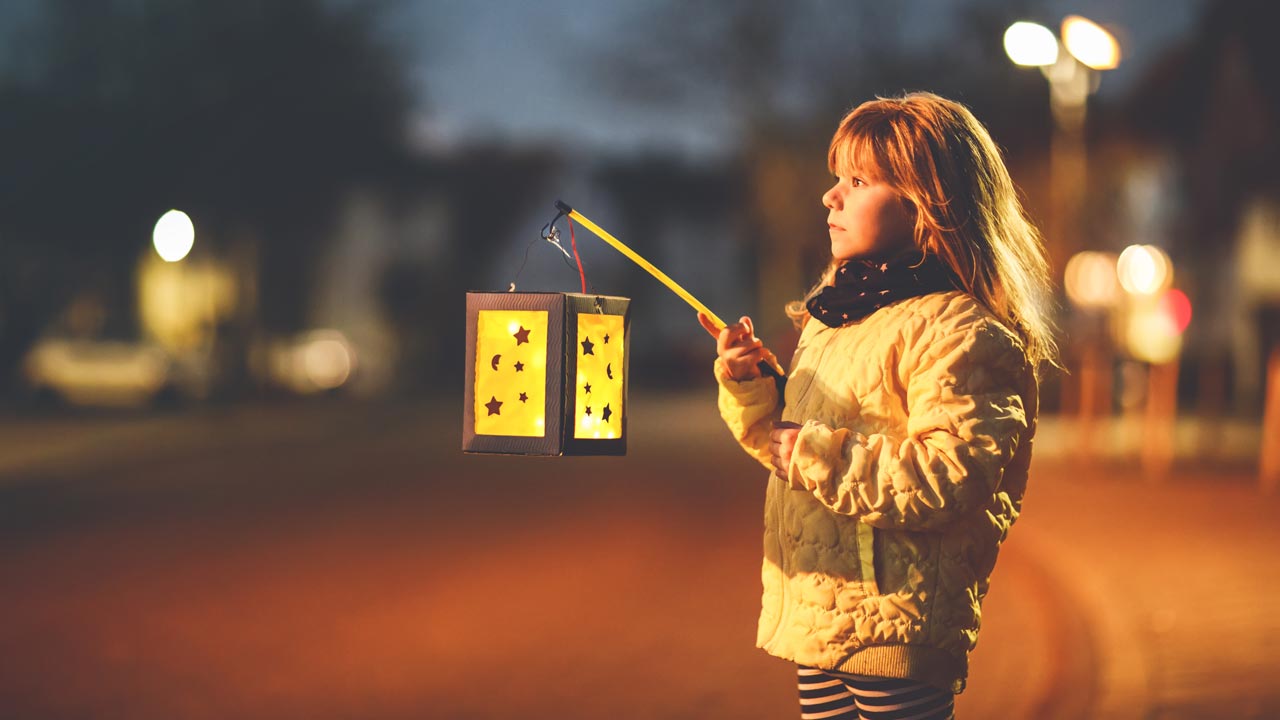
1071	66
166	305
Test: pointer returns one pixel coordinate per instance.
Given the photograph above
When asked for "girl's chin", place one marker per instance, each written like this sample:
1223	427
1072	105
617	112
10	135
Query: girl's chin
843	252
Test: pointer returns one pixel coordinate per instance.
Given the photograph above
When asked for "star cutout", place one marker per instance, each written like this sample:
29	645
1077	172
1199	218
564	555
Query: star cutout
587	412
608	412
606	339
588	347
521	335
519	367
524	397
495	406
587	388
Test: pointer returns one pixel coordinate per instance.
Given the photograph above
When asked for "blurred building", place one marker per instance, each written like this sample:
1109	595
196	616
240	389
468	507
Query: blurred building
1212	106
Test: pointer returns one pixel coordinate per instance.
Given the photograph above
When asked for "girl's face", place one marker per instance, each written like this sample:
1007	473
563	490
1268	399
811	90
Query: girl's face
867	218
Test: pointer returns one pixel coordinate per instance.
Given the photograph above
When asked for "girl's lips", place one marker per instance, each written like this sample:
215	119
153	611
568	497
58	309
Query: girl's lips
833	227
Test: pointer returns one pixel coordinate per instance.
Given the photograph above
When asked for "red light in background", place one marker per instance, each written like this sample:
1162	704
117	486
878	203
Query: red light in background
1175	306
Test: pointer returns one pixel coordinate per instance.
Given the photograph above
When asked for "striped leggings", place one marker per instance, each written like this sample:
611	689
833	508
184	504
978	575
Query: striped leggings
828	694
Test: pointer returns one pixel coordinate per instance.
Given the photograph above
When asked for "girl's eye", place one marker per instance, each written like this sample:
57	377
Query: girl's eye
857	182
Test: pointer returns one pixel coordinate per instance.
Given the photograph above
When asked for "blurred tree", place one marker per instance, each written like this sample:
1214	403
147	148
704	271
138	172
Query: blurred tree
784	74
250	116
489	190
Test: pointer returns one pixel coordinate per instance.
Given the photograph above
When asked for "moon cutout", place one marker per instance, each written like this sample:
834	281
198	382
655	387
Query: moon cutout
494	361
608	369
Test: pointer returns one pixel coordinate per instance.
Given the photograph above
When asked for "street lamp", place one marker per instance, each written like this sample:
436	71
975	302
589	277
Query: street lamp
1030	44
173	236
1089	43
1071	66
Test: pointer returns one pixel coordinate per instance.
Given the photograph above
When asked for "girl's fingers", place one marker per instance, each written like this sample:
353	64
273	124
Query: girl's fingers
742	359
730	335
709	326
727	344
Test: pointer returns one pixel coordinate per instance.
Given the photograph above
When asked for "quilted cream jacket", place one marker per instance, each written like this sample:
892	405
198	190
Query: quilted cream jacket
906	475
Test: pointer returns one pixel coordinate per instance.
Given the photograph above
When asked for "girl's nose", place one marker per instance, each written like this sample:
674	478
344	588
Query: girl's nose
829	199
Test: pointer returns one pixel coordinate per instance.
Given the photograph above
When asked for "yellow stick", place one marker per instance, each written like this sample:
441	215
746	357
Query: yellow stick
648	266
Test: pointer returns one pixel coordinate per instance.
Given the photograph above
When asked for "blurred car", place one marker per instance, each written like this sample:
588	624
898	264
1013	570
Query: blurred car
114	373
316	361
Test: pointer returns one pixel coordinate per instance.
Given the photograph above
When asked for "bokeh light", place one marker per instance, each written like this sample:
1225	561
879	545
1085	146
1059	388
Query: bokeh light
327	361
1175	304
1090	279
1151	332
1153	324
1030	44
1144	270
1089	43
173	236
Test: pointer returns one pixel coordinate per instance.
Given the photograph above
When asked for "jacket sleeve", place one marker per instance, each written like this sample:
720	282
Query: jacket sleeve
749	408
965	419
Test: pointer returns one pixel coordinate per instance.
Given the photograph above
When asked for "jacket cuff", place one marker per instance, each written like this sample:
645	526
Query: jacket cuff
816	457
756	391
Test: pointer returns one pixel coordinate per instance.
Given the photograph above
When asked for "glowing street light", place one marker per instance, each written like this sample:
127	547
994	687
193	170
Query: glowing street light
1144	270
1089	43
173	236
1089	47
1090	279
1030	45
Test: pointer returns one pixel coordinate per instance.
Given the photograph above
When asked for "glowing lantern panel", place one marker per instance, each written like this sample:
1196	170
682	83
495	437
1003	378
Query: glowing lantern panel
510	372
598	397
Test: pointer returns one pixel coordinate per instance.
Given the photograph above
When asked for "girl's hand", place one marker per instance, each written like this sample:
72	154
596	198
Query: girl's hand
738	347
781	442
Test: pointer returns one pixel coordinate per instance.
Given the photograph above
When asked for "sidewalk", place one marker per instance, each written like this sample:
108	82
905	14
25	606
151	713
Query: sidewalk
1119	439
1177	580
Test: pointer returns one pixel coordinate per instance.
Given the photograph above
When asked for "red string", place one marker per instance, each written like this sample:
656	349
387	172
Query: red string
573	242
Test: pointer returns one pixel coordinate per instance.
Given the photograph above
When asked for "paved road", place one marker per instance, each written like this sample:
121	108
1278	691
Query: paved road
345	561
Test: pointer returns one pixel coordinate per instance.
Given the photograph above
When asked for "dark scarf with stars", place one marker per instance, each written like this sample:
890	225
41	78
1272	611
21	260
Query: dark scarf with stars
863	286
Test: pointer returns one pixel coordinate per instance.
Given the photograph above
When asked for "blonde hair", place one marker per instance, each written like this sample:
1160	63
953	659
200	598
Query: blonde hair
936	154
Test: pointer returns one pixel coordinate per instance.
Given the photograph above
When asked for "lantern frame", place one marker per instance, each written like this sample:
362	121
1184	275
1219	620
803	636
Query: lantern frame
560	381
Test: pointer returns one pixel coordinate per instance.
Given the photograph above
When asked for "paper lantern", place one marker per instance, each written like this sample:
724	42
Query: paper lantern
546	374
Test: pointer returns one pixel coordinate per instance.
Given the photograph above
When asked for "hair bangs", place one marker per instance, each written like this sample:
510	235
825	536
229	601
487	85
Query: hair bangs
853	153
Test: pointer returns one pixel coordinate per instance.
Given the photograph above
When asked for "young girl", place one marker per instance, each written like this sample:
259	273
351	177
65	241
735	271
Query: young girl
900	453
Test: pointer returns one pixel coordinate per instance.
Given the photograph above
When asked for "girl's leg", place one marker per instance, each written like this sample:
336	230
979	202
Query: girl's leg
828	694
879	698
823	697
